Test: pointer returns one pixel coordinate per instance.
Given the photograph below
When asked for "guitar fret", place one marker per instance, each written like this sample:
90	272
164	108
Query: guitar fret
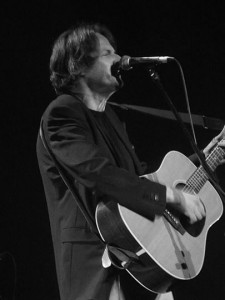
197	180
199	177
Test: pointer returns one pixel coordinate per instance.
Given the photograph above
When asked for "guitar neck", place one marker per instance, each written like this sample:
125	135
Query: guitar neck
199	177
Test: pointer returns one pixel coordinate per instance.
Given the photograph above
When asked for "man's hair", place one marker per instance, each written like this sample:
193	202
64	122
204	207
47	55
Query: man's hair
71	53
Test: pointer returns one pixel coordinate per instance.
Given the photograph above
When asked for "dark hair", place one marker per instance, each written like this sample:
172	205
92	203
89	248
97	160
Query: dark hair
71	52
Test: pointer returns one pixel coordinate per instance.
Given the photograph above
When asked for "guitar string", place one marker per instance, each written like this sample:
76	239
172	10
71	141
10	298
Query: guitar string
199	177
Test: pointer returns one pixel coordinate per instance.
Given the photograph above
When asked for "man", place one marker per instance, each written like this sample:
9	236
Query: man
85	157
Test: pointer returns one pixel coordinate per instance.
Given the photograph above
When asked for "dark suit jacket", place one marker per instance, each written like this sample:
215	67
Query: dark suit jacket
86	161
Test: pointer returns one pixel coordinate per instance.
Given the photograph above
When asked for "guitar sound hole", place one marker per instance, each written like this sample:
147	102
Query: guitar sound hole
193	229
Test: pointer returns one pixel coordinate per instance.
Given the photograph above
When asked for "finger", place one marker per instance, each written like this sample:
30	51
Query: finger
215	140
193	219
201	208
222	134
221	143
202	212
198	214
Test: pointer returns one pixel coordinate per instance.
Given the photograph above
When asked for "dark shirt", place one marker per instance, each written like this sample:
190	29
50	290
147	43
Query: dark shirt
114	143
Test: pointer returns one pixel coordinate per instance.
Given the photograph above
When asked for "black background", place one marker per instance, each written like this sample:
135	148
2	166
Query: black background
192	32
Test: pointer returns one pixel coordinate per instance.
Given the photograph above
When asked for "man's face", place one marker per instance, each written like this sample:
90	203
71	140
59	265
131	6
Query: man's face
98	77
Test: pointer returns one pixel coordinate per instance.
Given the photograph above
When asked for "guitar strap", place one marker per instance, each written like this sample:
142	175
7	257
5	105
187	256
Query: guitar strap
199	120
120	258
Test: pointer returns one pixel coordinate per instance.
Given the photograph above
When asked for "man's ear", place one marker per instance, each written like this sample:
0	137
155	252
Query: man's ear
83	72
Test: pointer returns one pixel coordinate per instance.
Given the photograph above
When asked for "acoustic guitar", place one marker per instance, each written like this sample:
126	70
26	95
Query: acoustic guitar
168	247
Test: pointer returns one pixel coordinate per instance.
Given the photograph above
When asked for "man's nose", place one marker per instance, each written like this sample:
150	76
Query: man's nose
117	57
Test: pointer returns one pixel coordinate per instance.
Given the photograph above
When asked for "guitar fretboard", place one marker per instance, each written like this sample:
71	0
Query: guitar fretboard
199	177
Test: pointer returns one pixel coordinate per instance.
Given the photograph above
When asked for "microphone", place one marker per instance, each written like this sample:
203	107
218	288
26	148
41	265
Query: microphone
126	62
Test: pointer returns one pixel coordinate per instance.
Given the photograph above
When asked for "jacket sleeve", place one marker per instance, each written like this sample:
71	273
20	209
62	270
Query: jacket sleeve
71	141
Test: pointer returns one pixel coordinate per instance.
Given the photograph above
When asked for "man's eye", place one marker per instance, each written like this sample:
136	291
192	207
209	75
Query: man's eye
106	53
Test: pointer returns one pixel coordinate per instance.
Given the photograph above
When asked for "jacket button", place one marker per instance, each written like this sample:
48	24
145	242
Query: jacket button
156	197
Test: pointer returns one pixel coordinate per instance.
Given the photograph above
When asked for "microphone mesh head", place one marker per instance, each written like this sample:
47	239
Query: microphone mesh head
124	62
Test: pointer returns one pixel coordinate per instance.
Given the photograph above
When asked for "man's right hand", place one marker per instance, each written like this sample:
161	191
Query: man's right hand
188	204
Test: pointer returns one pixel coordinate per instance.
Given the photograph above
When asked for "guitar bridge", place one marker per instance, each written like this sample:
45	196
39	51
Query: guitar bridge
174	221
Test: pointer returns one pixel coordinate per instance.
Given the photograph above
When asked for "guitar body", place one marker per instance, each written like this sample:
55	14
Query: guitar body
164	252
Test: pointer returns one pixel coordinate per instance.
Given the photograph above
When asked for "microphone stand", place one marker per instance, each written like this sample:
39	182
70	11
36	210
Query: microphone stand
156	79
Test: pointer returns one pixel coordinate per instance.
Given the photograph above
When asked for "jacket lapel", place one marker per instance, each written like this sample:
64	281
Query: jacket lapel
117	125
123	137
